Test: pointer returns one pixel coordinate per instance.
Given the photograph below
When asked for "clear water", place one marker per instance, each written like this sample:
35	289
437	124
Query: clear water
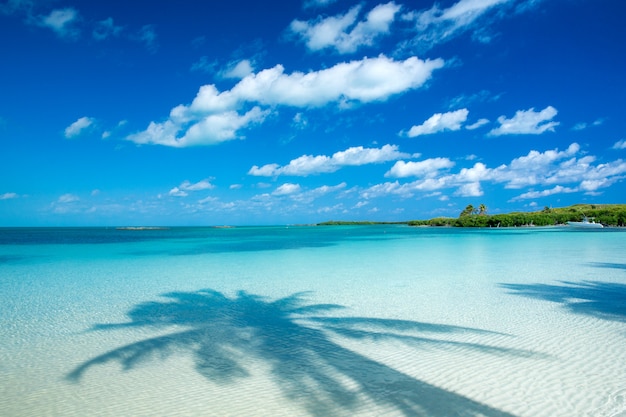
313	321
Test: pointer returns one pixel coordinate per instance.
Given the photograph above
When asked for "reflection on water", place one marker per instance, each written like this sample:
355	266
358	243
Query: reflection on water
297	341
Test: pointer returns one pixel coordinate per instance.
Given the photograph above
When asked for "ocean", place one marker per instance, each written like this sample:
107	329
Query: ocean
384	320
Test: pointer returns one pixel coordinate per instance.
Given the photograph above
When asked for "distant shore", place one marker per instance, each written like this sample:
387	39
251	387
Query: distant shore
606	214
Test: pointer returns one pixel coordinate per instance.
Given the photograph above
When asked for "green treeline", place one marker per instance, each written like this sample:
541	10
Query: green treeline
607	214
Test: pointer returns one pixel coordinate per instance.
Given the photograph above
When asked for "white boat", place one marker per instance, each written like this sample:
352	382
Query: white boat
586	223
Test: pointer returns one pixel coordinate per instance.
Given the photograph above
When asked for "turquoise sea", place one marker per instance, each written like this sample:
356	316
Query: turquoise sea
313	321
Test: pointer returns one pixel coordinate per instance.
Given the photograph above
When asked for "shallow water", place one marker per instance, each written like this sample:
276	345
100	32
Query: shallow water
313	321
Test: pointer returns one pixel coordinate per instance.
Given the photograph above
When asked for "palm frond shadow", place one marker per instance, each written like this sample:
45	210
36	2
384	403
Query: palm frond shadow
297	341
605	300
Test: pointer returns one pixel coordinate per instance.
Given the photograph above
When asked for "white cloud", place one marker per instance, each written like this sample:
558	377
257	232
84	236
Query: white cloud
437	25
425	168
342	33
216	128
204	65
105	29
527	122
286	189
238	69
309	164
213	116
585	125
299	121
177	192
620	144
550	168
212	129
78	127
311	195
198	186
15	6
477	124
185	186
536	167
367	80
8	196
465	100
148	37
545	193
317	3
471	189
67	198
440	122
61	21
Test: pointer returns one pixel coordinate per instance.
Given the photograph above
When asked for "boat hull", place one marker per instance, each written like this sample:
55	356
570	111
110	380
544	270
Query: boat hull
585	225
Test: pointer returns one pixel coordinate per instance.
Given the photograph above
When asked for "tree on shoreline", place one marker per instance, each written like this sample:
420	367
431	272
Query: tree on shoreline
468	211
606	214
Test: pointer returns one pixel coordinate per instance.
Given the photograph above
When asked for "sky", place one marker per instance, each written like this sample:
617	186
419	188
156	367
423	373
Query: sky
186	113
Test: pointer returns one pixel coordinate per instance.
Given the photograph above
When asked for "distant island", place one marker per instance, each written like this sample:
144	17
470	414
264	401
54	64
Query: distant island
606	214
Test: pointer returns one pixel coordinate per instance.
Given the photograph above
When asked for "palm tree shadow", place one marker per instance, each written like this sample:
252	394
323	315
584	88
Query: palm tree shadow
603	300
297	341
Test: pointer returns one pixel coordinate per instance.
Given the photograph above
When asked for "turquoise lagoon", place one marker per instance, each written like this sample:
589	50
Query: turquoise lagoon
312	321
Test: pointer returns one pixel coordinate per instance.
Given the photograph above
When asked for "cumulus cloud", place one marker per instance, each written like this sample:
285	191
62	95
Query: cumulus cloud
198	186
148	37
312	195
425	168
209	130
342	32
538	194
477	124
436	25
78	127
527	122
286	189
105	29
538	167
61	21
238	70
464	100
309	164
366	80
585	125
620	144
299	121
214	117
204	65
185	186
16	6
67	198
440	122
317	3
177	192
8	196
471	189
564	171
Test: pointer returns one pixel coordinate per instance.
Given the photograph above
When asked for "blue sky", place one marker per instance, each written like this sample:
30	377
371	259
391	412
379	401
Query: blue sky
210	113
